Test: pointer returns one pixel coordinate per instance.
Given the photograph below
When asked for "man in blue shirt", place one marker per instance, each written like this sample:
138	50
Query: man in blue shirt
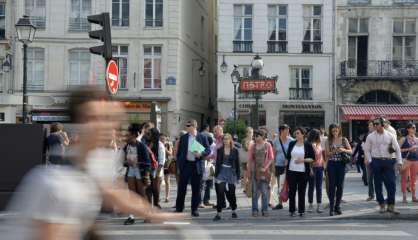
280	146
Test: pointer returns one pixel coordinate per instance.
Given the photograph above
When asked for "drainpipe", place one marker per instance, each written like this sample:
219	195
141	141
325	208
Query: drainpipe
334	80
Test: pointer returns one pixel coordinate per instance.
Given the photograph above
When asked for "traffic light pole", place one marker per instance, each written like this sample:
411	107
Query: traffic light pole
25	80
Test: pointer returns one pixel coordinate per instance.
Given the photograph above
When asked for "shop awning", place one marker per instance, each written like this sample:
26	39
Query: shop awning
369	112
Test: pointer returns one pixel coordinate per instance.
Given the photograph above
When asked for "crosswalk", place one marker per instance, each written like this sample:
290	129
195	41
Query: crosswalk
262	230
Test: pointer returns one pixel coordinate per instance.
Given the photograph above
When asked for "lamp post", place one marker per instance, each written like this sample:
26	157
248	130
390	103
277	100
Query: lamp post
25	33
257	65
235	81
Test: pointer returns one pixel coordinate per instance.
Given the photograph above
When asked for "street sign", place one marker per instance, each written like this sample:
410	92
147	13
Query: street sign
267	85
112	77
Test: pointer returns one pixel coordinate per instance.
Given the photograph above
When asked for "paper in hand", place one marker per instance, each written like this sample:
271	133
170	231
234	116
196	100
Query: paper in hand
196	147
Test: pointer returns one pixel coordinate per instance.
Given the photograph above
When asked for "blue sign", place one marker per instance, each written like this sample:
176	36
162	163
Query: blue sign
170	81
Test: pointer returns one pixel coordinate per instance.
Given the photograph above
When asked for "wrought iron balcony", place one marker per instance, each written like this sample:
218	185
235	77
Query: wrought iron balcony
277	46
38	21
311	47
300	93
388	70
153	22
243	46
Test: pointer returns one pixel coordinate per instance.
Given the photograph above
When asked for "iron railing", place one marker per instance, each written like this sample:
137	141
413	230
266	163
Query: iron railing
300	93
311	47
38	21
153	22
378	69
243	46
277	46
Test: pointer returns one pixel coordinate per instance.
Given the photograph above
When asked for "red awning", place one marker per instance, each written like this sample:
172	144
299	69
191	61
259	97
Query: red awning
369	112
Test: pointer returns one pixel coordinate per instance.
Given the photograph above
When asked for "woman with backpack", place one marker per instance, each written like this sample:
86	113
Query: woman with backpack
338	154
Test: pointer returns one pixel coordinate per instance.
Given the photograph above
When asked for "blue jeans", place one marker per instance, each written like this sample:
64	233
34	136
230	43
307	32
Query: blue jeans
260	187
316	180
384	171
336	175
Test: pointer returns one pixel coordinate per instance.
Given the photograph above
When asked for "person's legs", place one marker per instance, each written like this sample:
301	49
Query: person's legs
302	183
370	180
182	189
404	178
414	172
220	198
332	179
389	179
232	196
208	186
167	186
340	176
311	188
264	196
156	190
255	194
319	175
291	181
196	183
378	178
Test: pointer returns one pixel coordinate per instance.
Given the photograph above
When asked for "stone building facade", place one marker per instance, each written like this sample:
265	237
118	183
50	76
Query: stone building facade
376	61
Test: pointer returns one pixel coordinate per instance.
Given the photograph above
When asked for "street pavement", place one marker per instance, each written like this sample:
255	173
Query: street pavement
360	220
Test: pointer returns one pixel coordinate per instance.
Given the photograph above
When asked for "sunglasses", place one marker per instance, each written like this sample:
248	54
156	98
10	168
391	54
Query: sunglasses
376	124
188	125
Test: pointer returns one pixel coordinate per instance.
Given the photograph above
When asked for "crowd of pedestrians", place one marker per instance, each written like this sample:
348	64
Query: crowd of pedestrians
295	164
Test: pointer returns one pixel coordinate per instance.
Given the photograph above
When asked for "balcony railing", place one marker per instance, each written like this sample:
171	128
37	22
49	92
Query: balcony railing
151	22
243	46
300	93
277	46
379	69
79	25
311	47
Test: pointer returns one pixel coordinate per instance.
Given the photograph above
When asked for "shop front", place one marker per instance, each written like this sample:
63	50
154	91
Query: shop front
355	117
308	116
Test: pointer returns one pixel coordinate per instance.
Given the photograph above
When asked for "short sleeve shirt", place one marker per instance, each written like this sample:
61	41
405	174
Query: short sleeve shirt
280	155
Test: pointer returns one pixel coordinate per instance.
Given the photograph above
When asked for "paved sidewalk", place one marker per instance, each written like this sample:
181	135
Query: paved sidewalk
355	205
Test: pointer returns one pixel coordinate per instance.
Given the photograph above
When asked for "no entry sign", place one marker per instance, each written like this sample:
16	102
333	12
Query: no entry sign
112	77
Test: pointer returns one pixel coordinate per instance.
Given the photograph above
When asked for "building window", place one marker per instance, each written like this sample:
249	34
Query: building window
202	32
2	20
36	10
243	28
312	37
80	9
152	67
277	20
358	25
120	13
79	67
154	13
300	84
120	53
35	69
404	42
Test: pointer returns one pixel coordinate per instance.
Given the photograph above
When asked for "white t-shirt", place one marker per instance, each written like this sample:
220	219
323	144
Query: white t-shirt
57	195
297	152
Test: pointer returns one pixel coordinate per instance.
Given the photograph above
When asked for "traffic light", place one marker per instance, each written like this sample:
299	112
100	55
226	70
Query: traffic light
103	35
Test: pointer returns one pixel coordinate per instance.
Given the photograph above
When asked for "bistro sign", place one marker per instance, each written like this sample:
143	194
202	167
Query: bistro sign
267	85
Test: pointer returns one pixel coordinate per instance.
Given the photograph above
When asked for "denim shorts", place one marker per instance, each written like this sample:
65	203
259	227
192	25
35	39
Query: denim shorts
134	172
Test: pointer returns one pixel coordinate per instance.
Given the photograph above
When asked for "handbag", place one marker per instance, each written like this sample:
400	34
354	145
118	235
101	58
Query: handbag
284	194
345	157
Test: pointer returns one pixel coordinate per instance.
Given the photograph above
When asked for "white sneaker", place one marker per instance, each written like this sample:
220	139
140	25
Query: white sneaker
319	208
310	208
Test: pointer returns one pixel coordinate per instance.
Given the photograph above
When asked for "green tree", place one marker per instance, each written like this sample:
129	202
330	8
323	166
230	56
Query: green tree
229	128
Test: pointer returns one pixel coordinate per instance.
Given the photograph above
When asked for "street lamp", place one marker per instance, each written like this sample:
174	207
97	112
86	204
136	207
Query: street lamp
25	33
257	65
224	65
235	81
